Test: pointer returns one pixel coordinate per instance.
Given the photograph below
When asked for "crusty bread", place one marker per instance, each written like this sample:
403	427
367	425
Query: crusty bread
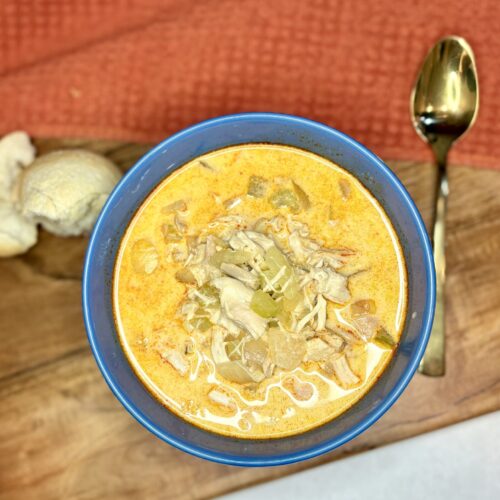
17	234
16	151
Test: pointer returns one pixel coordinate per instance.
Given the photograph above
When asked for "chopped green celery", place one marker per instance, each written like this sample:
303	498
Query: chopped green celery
219	241
266	276
209	291
384	339
285	318
301	195
264	305
233	349
275	259
200	323
257	186
278	264
268	279
285	198
292	289
289	304
260	225
200	320
200	312
230	257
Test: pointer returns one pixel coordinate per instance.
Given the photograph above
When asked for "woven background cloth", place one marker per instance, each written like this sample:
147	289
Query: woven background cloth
140	70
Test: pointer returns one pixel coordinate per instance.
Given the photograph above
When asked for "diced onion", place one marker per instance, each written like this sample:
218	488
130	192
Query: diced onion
287	349
345	188
343	372
362	307
257	186
144	257
176	206
184	275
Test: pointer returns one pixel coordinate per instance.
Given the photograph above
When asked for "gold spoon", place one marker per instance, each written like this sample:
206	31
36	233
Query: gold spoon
444	105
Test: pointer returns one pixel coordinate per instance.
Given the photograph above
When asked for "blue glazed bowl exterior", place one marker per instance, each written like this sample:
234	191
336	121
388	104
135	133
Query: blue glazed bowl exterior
129	195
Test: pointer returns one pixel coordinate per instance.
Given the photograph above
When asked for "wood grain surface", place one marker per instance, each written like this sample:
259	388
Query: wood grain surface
64	435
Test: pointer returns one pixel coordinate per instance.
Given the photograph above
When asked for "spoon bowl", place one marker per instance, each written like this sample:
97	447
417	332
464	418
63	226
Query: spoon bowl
445	99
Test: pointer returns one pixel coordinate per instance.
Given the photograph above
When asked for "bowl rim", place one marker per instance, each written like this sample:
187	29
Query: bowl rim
390	398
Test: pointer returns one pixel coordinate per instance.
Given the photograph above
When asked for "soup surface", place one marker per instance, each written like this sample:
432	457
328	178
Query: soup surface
259	291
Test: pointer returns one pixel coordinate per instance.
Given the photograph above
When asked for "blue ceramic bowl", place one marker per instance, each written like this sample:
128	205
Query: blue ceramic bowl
129	195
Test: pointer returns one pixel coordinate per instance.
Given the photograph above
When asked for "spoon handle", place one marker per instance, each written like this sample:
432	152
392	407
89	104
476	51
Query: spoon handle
433	362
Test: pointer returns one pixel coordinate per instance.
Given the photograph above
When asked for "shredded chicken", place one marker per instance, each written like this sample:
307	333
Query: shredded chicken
366	325
277	223
210	246
343	372
261	240
176	360
231	203
242	241
235	299
218	317
318	350
321	314
318	311
197	254
246	277
204	272
299	227
334	341
332	258
179	223
222	399
262	296
298	249
332	285
177	254
233	221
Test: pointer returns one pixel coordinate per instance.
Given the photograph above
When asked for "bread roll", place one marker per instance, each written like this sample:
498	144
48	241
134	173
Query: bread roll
16	151
17	234
64	191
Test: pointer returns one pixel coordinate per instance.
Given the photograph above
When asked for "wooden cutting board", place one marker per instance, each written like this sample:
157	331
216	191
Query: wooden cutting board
64	435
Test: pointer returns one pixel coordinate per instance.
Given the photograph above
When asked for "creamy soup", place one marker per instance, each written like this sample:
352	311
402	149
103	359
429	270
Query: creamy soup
259	291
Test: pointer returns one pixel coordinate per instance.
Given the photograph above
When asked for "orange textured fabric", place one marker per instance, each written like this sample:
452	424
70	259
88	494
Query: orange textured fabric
143	69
